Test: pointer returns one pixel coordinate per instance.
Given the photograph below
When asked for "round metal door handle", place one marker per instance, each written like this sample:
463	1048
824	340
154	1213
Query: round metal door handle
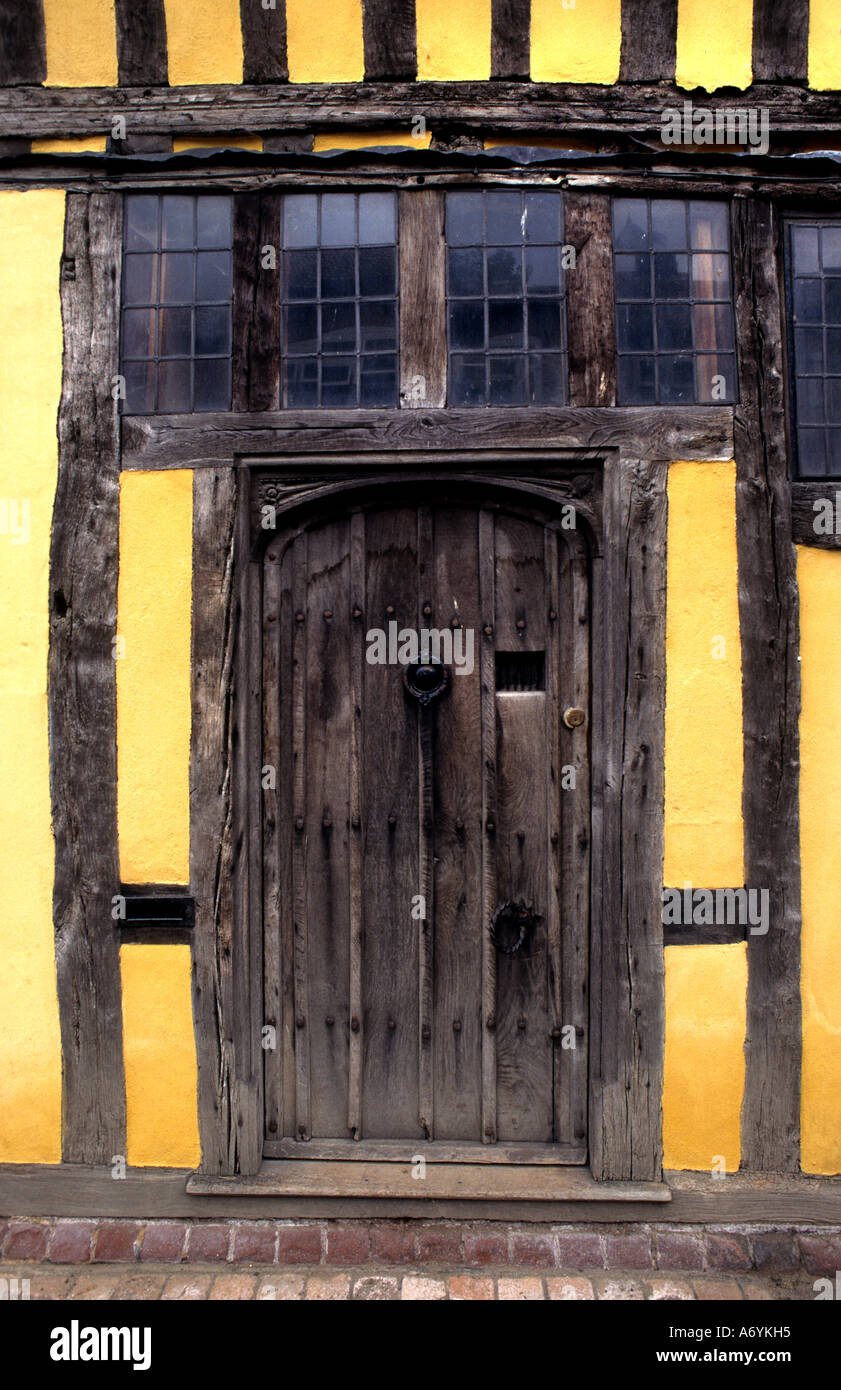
574	718
426	681
511	925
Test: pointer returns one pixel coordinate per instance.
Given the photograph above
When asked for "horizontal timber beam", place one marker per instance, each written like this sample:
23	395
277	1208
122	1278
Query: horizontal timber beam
660	433
33	112
146	1193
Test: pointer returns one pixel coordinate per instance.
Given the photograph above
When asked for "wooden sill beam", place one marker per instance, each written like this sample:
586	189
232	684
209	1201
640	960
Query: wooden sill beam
521	107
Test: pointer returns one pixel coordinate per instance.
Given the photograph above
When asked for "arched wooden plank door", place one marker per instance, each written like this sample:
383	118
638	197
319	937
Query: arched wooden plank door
394	831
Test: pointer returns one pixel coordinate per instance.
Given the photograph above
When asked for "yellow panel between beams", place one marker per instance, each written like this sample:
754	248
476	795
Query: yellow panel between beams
160	1057
819	581
369	139
216	142
81	43
31	241
704	830
704	1067
324	41
88	144
579	44
453	40
824	45
204	41
714	44
153	676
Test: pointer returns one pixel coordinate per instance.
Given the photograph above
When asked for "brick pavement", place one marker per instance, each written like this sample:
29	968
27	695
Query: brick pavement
123	1281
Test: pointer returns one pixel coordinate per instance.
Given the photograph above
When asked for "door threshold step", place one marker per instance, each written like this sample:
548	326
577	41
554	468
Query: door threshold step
463	1181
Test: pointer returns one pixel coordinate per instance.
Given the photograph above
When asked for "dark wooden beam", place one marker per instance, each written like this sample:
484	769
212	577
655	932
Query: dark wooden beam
768	607
141	43
591	336
214	634
264	42
629	680
510	38
23	43
256	328
194	441
388	31
423	300
804	495
780	40
82	687
649	40
516	106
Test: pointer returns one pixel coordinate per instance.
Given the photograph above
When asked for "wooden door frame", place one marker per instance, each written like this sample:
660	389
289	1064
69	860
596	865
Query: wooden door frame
626	533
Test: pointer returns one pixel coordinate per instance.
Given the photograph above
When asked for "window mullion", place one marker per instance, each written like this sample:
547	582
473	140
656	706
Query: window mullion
423	299
591	328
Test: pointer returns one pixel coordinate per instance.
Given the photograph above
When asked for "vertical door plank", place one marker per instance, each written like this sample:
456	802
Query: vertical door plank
557	675
301	836
454	590
487	677
423	300
355	795
328	735
426	848
272	974
285	849
390	974
524	1046
574	690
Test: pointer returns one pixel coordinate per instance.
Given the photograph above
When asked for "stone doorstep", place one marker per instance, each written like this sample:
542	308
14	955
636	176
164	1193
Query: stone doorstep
342	1244
203	1281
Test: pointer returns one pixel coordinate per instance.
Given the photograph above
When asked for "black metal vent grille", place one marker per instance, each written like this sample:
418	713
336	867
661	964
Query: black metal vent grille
520	672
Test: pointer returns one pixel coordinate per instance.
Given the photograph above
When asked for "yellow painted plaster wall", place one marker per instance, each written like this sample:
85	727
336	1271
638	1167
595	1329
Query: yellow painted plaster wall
824	45
87	144
204	41
714	43
453	40
819	580
153	676
368	139
577	44
704	832
215	142
324	41
160	1057
31	238
704	1069
81	43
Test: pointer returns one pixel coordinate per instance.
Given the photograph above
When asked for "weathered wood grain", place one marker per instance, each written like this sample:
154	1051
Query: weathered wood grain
78	1190
423	300
627	1023
591	336
780	40
768	607
256	306
263	42
23	43
804	495
214	636
501	105
388	33
510	38
649	40
141	43
659	432
82	687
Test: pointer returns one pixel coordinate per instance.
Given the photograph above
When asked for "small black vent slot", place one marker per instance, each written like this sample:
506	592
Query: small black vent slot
158	911
519	672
